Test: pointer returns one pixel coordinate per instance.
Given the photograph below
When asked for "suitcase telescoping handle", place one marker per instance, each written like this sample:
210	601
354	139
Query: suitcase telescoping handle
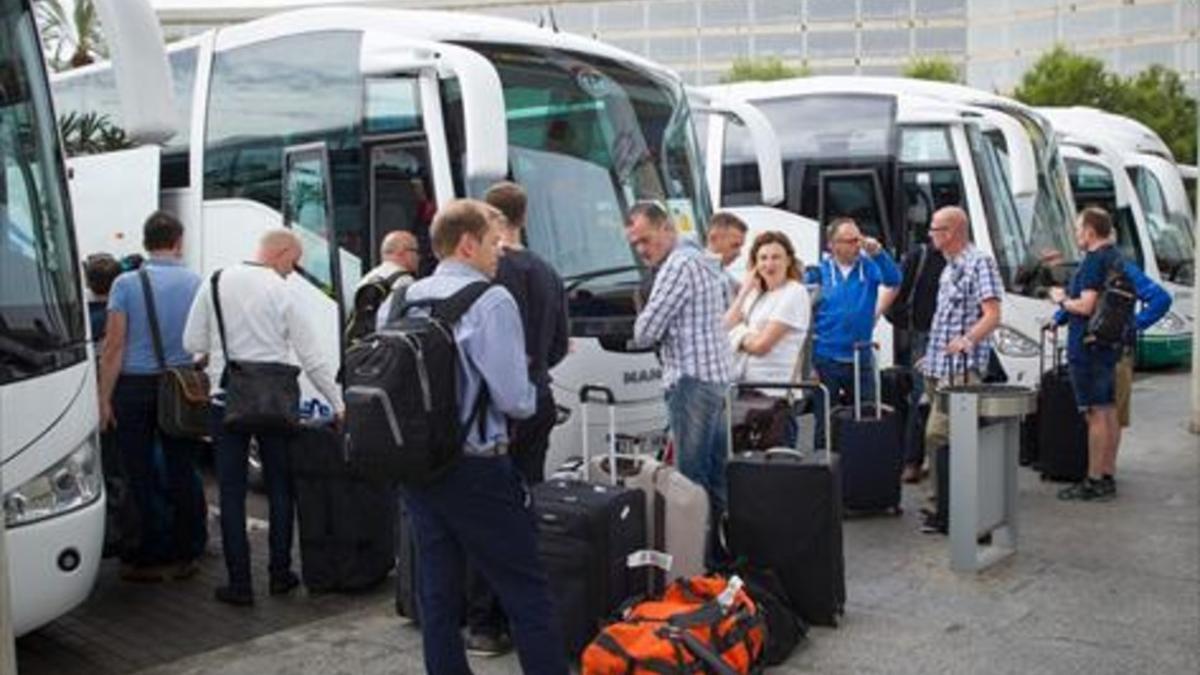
858	348
812	386
1051	330
597	393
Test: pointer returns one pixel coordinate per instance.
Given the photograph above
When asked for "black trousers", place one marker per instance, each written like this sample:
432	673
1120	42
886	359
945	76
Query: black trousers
528	447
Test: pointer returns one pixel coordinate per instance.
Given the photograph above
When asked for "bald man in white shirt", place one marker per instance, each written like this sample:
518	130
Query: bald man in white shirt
263	323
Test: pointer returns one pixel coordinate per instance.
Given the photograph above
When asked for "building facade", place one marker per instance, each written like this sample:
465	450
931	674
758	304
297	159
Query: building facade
991	41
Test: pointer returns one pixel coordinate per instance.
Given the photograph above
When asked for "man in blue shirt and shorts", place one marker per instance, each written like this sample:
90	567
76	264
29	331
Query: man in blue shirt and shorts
1092	364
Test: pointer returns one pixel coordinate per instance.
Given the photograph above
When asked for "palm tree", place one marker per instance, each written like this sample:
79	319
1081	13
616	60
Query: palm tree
77	31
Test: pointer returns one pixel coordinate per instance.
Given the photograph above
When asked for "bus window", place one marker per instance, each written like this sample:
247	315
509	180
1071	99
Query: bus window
1170	233
174	166
289	91
1010	243
1093	185
854	194
925	191
306	211
401	195
740	182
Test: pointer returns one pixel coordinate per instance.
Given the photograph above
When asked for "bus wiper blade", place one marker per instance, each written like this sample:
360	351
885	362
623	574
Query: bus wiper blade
14	350
576	280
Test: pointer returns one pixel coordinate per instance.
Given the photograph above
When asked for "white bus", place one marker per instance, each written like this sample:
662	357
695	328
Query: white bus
864	148
1120	165
53	487
346	124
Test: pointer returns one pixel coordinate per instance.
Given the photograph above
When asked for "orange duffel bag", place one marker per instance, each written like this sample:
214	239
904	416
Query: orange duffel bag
706	624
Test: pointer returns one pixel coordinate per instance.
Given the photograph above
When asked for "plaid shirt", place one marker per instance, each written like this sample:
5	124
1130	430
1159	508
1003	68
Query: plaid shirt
968	279
684	314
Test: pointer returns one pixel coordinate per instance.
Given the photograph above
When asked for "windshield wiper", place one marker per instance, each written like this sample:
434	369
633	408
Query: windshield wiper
14	350
576	280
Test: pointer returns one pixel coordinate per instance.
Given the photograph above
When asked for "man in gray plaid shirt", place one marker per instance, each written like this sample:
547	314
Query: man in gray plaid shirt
960	344
684	317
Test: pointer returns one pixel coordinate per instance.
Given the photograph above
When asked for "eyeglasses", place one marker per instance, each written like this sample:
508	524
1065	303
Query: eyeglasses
854	240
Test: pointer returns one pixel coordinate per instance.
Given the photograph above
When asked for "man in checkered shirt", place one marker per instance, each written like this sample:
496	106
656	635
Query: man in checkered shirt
683	316
968	310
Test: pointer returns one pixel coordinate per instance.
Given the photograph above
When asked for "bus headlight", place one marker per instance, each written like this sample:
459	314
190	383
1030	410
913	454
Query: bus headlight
73	483
1012	342
1170	323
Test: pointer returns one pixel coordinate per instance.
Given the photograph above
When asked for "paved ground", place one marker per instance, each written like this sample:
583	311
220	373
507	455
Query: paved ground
1096	588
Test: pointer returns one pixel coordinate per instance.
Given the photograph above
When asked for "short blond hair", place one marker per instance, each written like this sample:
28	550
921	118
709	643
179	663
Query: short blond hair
457	219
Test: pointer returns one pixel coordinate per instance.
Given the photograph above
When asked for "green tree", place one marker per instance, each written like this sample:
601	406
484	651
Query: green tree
91	133
74	30
763	69
1155	97
1063	78
936	68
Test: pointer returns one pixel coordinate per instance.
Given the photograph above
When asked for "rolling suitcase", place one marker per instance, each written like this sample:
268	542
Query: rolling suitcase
1062	442
586	534
677	509
785	515
345	522
871	448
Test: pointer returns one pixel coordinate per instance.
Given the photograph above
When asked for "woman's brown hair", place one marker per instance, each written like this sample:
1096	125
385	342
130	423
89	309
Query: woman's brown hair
776	237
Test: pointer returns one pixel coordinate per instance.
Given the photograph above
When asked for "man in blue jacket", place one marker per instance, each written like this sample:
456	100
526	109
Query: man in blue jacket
1155	302
850	276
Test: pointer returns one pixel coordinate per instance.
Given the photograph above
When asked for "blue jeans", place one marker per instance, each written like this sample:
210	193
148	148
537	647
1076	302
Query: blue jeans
232	453
135	405
479	513
838	378
696	415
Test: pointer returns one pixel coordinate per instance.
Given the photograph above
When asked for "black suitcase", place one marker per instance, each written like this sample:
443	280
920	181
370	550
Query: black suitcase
345	522
1062	440
586	532
870	442
785	514
406	566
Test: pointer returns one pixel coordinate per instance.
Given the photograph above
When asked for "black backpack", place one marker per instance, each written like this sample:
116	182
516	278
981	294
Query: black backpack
367	301
402	411
1111	320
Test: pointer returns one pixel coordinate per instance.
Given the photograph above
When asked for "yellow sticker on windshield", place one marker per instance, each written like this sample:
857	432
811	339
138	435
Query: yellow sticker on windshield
683	215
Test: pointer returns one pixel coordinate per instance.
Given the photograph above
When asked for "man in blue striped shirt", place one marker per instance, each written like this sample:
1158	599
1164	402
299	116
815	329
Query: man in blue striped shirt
684	316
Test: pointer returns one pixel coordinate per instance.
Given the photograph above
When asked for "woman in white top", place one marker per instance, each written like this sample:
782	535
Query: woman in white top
767	325
771	315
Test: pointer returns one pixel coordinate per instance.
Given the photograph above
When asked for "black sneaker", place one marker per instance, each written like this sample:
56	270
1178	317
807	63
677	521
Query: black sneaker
282	584
1108	487
482	644
1086	490
931	524
231	595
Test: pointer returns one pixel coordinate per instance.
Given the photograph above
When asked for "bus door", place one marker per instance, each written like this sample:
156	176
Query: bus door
857	194
399	187
308	211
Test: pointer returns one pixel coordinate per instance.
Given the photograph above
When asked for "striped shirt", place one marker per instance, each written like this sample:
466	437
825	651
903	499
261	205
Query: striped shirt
684	314
968	279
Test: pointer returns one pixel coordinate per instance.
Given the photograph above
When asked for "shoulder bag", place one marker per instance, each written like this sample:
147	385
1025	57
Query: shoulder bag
260	396
182	399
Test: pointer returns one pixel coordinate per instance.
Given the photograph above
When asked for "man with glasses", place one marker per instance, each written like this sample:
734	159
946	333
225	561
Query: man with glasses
968	310
400	258
850	276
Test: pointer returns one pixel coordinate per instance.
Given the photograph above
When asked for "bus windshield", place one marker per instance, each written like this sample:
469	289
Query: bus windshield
41	313
1170	232
596	136
1010	241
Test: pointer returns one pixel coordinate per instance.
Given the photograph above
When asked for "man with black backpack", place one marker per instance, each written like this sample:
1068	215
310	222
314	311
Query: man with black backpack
1099	310
400	259
474	506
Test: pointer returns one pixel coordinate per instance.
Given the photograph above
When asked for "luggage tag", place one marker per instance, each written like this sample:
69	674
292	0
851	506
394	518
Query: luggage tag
650	558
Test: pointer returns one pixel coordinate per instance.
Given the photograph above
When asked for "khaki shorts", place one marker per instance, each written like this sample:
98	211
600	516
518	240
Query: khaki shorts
1124	376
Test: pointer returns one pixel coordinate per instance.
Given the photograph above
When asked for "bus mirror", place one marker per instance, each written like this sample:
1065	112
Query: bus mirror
140	69
762	136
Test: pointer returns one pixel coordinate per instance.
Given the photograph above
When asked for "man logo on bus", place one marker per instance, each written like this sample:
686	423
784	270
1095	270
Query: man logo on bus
645	375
